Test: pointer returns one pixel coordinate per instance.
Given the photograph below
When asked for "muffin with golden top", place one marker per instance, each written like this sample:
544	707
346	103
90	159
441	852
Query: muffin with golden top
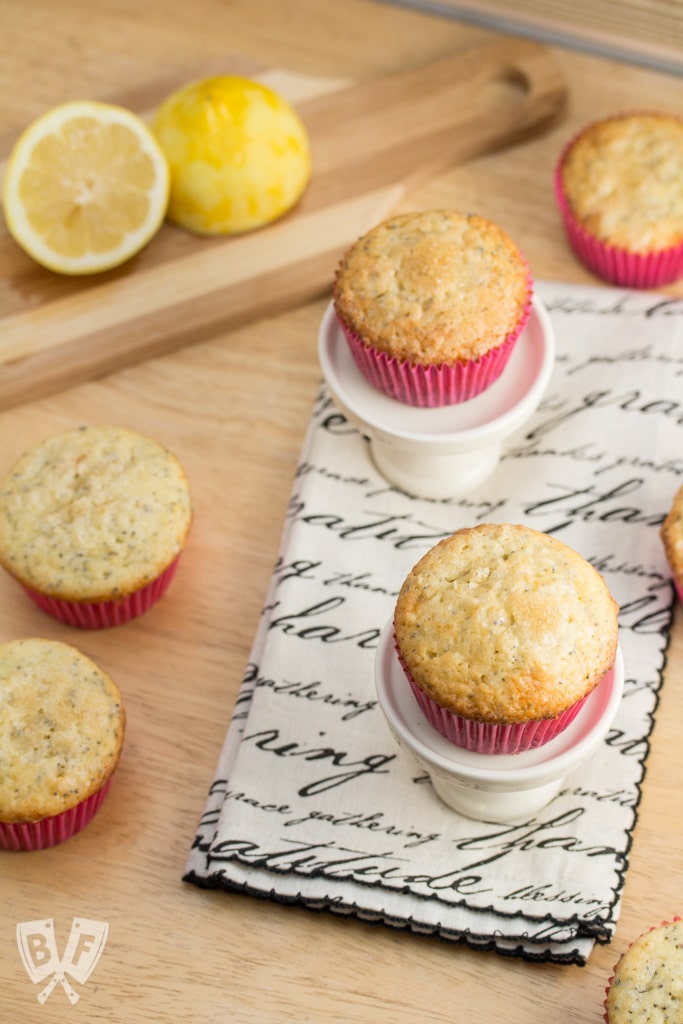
503	632
619	187
93	522
62	726
671	532
431	304
647	984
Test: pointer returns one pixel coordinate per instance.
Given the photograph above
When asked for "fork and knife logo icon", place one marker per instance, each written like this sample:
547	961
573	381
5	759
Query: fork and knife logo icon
38	950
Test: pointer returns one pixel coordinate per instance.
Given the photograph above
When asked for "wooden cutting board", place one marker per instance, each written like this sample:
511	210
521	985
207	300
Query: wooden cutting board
371	142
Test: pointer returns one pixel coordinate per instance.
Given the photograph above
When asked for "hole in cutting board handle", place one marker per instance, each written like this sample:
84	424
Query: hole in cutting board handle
508	89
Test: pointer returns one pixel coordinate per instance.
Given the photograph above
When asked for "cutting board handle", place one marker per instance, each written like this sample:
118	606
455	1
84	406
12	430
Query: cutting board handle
405	127
371	142
528	82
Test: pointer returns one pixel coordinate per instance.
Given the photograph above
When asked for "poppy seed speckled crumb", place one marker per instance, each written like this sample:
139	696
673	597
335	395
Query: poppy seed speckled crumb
62	725
93	515
503	624
647	985
433	287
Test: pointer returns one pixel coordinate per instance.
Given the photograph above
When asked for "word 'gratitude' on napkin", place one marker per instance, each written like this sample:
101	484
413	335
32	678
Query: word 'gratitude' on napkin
313	802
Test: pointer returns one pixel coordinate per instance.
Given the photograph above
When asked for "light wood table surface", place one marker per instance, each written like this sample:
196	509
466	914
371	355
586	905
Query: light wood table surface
235	409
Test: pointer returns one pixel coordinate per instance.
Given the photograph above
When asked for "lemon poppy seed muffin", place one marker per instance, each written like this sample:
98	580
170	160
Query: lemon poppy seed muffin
503	632
647	984
432	287
92	522
619	184
671	533
431	303
62	726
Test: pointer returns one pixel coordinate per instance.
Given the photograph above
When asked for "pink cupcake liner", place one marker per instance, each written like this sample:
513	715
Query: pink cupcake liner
104	614
435	385
39	835
609	262
487	737
662	924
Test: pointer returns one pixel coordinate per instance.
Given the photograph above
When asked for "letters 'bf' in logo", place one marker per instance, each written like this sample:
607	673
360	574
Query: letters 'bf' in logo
38	949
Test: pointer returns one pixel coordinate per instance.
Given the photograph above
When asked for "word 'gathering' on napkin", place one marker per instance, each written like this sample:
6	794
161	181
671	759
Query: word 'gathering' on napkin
313	803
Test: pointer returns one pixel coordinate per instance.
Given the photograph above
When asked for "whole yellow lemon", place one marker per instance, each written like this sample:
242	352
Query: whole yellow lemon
238	153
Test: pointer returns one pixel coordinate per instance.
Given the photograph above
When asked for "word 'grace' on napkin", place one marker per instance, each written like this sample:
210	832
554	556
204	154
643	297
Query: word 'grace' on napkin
313	802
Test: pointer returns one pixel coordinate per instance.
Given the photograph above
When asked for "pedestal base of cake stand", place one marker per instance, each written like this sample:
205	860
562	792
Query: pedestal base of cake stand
447	451
492	787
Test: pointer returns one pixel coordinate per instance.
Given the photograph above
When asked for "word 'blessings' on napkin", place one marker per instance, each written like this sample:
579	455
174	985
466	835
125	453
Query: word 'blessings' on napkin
314	804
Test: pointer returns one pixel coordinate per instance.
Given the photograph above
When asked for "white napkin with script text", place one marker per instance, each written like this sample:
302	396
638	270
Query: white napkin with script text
313	803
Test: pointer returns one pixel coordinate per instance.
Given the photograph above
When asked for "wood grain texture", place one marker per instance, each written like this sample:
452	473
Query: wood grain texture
235	407
371	141
643	31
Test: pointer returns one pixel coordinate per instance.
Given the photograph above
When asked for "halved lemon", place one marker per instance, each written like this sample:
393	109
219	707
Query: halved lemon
86	187
238	151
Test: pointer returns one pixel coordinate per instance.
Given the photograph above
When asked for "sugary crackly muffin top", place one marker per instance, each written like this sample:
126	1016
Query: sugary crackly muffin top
672	535
647	987
62	725
501	623
93	514
623	178
433	287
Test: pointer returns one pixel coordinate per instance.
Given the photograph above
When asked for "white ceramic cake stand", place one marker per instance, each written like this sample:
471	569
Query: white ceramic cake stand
448	451
492	787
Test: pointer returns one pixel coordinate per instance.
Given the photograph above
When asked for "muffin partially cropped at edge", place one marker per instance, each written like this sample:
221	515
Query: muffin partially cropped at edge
619	188
671	532
647	984
431	304
93	522
503	632
62	726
